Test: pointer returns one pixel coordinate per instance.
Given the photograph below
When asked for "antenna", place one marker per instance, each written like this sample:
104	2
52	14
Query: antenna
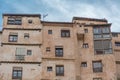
44	15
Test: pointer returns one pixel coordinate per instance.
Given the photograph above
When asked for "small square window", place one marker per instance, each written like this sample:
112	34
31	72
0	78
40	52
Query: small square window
26	35
84	64
49	68
49	31
47	49
29	52
86	30
30	21
85	45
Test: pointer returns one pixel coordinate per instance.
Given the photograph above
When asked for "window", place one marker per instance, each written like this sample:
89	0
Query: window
29	52
14	21
103	47
17	73
26	35
59	51
59	70
13	37
86	30
49	31
20	53
30	21
97	78
117	44
84	64
85	45
49	68
97	66
65	33
101	32
48	49
97	30
115	34
105	30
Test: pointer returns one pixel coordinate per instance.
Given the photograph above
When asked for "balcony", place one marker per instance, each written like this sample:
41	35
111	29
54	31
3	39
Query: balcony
80	33
20	57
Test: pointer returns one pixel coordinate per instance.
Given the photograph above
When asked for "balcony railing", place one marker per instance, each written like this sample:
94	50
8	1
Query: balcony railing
97	69
20	57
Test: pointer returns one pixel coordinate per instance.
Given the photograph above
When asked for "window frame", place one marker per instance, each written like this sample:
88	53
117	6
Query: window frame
98	68
59	71
14	20
59	51
85	45
65	33
49	31
83	64
13	38
26	36
49	68
29	52
19	70
86	30
48	49
102	49
101	33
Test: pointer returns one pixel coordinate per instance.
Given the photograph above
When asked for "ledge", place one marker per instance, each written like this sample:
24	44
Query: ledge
20	44
19	62
56	58
22	29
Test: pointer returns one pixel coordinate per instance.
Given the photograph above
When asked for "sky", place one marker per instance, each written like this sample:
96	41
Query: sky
65	10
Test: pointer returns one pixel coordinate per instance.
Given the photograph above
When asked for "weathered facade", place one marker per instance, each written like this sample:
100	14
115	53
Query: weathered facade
32	49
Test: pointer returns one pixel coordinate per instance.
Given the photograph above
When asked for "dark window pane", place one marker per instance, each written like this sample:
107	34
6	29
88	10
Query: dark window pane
14	21
59	52
49	31
49	68
65	33
97	30
85	45
30	21
84	64
26	35
17	73
97	66
105	30
29	52
13	38
86	30
59	70
117	44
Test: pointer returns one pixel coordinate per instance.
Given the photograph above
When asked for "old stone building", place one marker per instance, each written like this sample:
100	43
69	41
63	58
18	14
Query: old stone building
32	49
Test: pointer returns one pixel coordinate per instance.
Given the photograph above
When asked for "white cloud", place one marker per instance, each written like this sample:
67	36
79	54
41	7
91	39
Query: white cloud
109	11
64	10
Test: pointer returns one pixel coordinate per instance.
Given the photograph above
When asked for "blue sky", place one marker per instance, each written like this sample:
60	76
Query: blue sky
64	10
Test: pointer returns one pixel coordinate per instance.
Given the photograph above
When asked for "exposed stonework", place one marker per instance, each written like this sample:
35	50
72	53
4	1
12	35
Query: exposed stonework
42	50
